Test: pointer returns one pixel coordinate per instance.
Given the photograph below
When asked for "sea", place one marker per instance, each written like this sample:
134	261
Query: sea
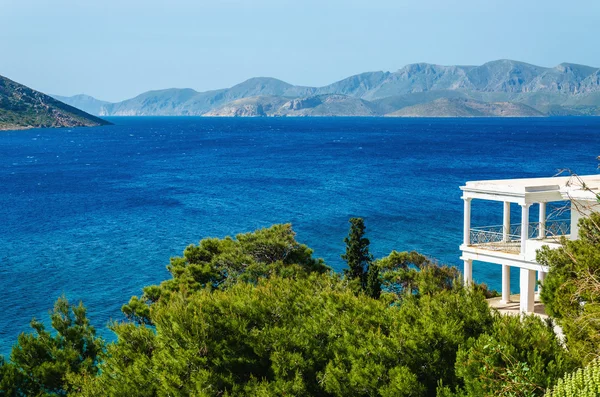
94	214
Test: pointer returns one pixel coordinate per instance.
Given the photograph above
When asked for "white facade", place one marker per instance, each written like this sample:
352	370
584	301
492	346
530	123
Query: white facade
514	245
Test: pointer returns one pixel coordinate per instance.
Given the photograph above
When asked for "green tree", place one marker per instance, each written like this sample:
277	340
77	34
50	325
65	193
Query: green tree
373	284
41	362
127	366
571	290
12	382
283	336
257	315
518	357
220	263
411	273
357	254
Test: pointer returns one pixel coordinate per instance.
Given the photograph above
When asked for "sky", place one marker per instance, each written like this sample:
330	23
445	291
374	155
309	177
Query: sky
117	49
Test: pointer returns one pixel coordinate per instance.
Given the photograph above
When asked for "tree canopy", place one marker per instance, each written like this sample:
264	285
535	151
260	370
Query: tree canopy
220	263
257	315
571	290
357	254
41	362
282	336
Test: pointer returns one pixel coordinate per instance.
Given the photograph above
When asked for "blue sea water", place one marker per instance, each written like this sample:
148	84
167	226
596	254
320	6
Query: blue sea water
96	213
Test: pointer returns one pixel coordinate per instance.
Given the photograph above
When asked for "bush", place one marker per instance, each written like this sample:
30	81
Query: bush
520	357
304	337
571	291
585	382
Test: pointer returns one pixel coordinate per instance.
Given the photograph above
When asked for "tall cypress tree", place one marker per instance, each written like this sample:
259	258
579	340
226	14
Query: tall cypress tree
373	284
357	254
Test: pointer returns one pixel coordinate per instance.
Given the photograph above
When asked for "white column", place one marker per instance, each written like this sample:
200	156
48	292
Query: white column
467	222
505	284
506	223
541	277
542	229
524	226
468	272
527	281
575	216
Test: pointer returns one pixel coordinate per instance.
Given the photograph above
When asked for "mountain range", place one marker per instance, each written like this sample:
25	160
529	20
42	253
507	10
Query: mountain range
497	88
21	107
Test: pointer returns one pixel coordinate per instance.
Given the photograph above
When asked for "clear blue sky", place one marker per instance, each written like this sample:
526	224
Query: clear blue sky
114	50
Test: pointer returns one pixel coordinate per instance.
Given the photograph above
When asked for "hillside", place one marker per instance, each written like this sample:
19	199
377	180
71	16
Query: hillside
316	105
21	107
187	102
457	107
83	102
566	89
259	106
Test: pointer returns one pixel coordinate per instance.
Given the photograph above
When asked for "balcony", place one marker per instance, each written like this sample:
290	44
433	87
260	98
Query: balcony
513	246
494	238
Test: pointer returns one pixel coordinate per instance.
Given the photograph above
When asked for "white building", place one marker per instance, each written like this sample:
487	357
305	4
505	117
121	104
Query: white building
514	245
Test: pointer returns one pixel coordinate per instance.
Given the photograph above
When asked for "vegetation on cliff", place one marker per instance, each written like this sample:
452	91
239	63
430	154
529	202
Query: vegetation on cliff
572	288
21	107
258	315
458	107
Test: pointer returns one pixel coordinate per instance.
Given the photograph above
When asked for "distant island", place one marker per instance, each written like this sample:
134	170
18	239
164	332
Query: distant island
502	88
459	107
21	108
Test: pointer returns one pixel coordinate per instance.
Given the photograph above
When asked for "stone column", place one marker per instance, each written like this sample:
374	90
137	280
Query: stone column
575	216
506	223
468	272
527	290
542	229
505	284
467	222
541	277
524	227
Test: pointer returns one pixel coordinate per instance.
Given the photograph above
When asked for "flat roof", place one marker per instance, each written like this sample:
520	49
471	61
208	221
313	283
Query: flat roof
523	186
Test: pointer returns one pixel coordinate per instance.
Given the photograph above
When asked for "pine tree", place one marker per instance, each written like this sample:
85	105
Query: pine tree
571	291
41	362
373	285
357	254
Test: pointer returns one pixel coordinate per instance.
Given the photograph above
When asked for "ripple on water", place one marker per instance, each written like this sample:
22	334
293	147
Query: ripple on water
96	213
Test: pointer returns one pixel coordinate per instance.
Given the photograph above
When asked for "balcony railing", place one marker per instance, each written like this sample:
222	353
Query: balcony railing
553	228
493	238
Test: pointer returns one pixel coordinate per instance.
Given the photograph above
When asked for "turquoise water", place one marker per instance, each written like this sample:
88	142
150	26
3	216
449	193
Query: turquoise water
96	213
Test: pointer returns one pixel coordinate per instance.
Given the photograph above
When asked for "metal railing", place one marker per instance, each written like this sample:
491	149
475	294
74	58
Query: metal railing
493	236
553	228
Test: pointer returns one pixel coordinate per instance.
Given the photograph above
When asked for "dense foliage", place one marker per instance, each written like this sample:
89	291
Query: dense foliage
312	336
519	356
412	273
21	106
585	382
360	260
220	263
40	363
257	315
357	254
572	288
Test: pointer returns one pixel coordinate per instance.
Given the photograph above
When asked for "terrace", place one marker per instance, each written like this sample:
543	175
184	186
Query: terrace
516	244
508	240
